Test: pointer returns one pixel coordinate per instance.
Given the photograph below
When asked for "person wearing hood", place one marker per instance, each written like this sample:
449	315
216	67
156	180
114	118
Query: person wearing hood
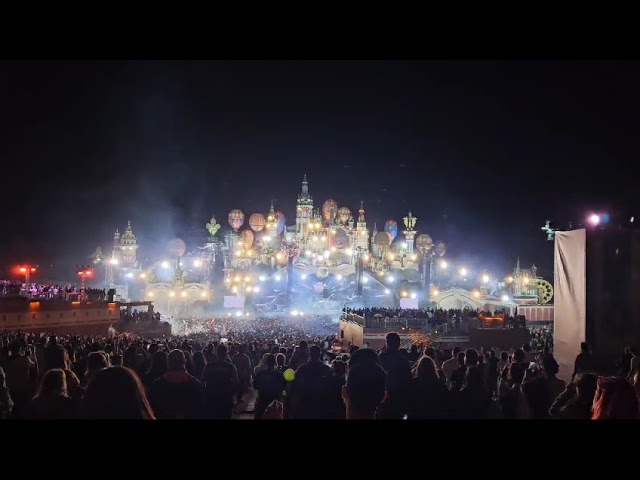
177	394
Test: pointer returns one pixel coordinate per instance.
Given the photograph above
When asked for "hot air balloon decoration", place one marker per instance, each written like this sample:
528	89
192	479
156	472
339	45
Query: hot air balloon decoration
257	222
247	237
282	222
391	227
344	214
328	207
424	242
236	219
382	239
440	249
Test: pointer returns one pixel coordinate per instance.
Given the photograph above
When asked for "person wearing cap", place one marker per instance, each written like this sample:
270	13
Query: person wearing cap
176	394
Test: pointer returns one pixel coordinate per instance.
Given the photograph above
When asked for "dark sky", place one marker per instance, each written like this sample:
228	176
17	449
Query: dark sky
481	151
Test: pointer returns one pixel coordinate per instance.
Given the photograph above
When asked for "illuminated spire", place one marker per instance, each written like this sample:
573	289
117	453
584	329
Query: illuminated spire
305	186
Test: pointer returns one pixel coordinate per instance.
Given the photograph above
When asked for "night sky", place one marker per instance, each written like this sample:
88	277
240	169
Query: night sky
482	152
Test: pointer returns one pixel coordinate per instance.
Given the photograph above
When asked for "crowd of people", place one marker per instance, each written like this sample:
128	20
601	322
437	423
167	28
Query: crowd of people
206	375
44	291
430	317
140	317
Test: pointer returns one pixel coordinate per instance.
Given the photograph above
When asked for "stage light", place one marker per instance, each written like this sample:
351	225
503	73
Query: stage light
348	251
505	298
404	244
414	257
594	220
327	253
227	280
247	314
234	289
266	239
463	272
151	294
525	281
238	314
485	278
229	314
435	292
277	278
301	314
197	263
390	279
256	289
203	294
143	276
183	294
262	278
333	249
129	275
366	257
294	313
391	256
249	289
387	291
237	279
338	277
172	294
113	261
165	264
308	253
404	294
414	296
509	279
247	278
23	270
365	280
476	293
443	265
303	276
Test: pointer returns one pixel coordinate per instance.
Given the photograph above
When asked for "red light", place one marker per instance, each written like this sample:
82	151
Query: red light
33	269
23	270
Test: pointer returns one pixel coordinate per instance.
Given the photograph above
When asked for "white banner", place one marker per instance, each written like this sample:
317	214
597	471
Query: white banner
409	303
569	326
234	301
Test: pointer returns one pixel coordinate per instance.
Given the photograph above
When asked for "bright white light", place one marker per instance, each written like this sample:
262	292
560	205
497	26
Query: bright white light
463	272
366	257
234	289
165	264
266	239
129	275
303	276
114	261
247	314
594	219
485	278
256	289
443	265
413	295
404	244
172	294
505	298
238	314
247	278
203	294
338	277
294	313
184	294
143	276
365	280
262	278
301	313
387	291
227	280
348	251
308	253
476	293
197	263
228	314
327	253
333	249
435	292
151	294
277	278
390	279
249	289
